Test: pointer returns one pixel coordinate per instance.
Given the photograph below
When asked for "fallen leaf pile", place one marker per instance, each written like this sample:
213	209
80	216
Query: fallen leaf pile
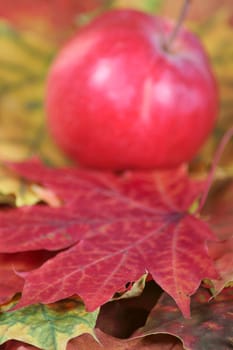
106	233
114	227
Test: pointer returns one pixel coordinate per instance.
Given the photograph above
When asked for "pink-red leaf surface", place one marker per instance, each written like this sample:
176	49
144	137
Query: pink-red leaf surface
106	342
220	211
59	13
11	265
114	229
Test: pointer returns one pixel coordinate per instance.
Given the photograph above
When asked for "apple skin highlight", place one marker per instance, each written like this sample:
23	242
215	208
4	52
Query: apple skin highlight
118	99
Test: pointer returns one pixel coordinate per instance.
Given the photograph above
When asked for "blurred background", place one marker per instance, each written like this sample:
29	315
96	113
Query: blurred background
31	33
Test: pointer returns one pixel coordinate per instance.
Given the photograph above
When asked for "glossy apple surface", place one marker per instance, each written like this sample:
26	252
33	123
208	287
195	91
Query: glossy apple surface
117	98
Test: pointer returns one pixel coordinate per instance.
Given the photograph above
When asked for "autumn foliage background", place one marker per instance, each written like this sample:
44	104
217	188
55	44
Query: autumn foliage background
31	33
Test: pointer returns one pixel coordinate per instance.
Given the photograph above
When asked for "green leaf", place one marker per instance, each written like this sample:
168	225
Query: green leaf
48	327
146	5
152	5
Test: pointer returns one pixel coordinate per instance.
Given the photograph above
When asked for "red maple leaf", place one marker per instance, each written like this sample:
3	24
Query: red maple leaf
114	228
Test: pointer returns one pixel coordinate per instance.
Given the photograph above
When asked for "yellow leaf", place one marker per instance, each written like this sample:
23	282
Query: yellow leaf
216	34
24	62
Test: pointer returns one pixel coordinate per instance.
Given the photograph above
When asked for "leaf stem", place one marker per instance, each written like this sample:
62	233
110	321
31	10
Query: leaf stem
177	27
226	138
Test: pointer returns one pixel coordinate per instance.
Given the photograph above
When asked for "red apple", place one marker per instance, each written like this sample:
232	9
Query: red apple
118	98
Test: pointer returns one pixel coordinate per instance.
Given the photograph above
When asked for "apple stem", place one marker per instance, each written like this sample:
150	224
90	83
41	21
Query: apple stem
226	138
177	27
